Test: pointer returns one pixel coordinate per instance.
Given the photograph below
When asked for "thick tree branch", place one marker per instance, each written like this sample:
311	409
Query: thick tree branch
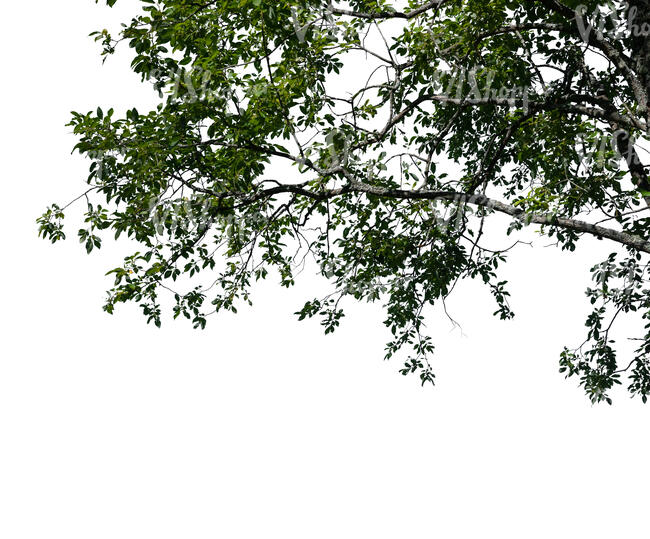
246	199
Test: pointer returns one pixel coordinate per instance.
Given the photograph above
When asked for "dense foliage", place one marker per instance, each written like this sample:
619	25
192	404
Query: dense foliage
403	127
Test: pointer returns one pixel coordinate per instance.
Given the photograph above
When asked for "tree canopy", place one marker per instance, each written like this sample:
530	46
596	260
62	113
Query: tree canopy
377	139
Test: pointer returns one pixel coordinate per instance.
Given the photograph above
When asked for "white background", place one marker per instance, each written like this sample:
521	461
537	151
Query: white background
260	426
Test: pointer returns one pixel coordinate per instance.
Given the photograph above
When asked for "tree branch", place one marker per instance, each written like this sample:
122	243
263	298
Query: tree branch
388	14
548	219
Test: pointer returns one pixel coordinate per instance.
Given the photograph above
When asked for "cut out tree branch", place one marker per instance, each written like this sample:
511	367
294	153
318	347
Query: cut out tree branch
377	139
